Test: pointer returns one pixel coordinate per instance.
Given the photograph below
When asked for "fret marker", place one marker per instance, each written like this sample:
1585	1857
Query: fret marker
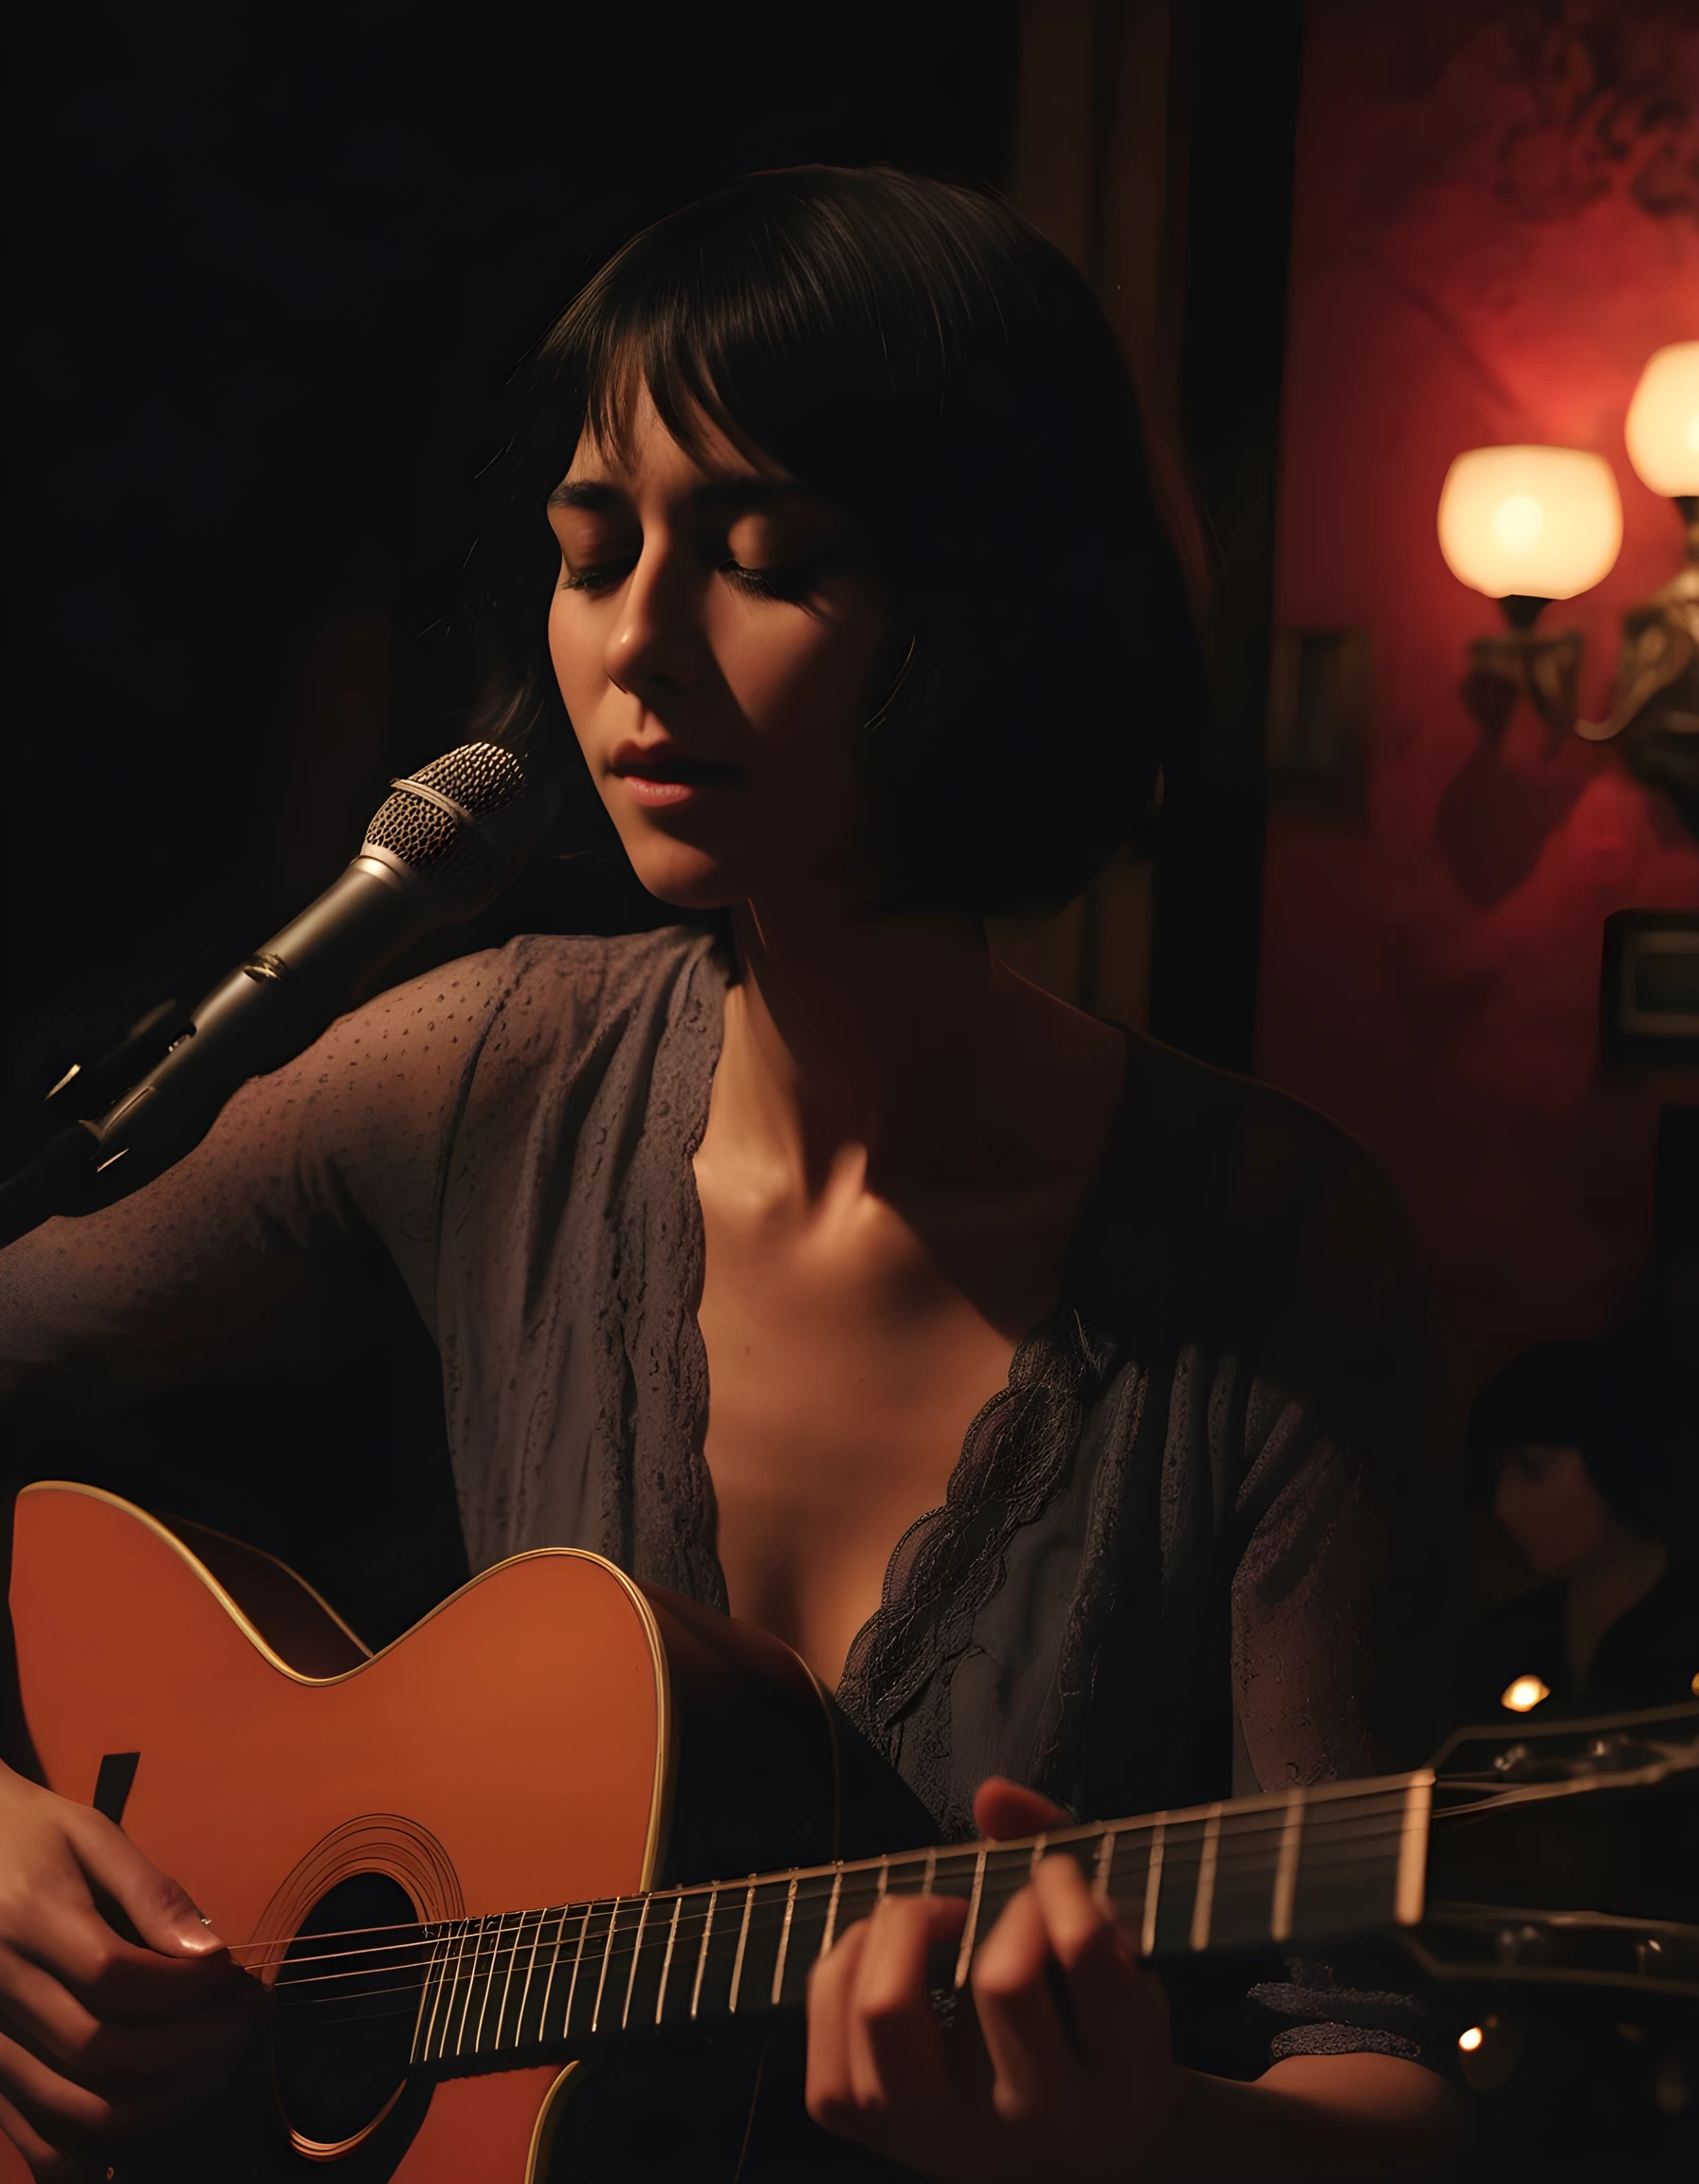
548	1985
964	1955
702	1955
1204	1904
672	1934
518	2026
489	1982
1286	1873
1412	1849
832	1910
625	2015
439	1962
471	1976
784	1940
596	2007
566	2022
513	1951
742	1944
1153	1889
1100	1868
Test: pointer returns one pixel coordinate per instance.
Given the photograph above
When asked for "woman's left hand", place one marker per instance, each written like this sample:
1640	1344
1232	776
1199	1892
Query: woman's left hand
1020	2087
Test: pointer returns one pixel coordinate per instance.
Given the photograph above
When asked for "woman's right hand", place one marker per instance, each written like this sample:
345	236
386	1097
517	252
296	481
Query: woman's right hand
102	2037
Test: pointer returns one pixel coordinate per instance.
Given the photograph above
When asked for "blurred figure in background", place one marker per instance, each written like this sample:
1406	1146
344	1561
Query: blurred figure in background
1586	1451
1588	1454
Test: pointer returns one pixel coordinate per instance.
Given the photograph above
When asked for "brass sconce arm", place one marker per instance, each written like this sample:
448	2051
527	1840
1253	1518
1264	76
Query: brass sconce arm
1522	661
1654	720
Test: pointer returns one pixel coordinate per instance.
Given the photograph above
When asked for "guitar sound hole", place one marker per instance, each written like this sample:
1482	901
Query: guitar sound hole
347	2001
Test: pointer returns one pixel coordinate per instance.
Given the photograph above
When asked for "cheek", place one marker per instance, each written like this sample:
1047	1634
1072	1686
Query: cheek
796	685
1556	1521
577	666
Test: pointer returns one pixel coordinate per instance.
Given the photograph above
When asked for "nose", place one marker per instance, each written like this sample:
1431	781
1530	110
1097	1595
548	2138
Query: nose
657	642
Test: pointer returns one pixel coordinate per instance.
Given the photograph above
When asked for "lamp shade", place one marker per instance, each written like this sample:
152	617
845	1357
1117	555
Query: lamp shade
1662	426
1544	522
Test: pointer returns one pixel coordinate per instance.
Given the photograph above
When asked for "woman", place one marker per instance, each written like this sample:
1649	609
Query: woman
1585	1450
1060	1387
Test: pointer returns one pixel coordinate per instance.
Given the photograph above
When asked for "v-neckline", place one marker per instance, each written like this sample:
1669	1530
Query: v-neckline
1052	1328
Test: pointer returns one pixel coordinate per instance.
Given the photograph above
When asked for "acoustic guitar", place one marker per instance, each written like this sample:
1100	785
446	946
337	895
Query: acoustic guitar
567	1814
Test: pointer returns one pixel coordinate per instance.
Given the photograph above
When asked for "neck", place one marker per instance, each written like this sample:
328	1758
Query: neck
883	1032
1615	1577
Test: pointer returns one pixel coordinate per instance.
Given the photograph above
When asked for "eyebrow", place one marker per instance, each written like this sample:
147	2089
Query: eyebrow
716	495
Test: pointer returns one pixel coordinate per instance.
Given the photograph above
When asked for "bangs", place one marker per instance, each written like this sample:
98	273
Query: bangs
845	325
914	353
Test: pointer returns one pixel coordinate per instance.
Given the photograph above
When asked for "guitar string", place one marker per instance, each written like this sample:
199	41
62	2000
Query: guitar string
1243	1840
490	1957
1338	1846
494	1944
1334	1839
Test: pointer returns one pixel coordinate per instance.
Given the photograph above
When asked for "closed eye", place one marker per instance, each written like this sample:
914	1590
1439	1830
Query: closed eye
792	581
597	576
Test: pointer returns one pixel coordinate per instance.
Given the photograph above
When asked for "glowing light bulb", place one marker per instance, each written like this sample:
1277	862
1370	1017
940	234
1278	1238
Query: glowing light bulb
1662	425
1517	522
1538	522
1471	2040
1524	1694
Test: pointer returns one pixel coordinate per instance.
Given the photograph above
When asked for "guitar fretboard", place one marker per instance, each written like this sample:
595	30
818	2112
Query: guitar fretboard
1311	1864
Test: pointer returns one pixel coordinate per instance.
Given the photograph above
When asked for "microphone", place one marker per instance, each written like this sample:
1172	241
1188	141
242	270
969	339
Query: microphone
445	843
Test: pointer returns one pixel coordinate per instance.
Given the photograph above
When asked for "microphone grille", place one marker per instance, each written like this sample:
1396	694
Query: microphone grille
481	778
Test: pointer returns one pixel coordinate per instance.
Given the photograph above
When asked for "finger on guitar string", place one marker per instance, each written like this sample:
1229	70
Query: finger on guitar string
880	2065
101	2029
1003	1809
82	2127
896	2052
154	1902
1076	2033
1033	2059
112	2053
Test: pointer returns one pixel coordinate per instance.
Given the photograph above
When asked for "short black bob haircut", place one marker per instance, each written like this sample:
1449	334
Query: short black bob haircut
1622	1400
917	353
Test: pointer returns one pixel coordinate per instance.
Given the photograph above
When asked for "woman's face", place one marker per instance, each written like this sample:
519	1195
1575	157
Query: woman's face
1551	1509
720	637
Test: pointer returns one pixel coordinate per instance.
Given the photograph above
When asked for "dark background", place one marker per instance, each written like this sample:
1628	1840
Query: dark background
268	273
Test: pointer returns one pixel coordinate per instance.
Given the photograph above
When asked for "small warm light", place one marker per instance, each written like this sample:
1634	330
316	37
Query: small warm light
1518	523
1523	1695
1662	426
1534	522
1471	2040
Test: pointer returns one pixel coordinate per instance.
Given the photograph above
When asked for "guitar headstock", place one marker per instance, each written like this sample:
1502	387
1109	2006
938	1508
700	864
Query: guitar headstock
1625	1749
1565	1854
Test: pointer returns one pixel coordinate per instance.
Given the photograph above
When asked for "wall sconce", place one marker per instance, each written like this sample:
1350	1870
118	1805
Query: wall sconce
1657	712
1528	525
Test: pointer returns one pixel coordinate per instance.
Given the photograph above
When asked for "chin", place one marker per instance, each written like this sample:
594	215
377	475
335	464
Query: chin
686	881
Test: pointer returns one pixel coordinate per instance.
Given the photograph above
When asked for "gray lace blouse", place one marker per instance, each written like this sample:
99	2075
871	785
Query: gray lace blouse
1184	1550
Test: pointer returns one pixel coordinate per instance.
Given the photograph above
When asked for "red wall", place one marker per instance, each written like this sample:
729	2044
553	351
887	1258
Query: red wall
1497	220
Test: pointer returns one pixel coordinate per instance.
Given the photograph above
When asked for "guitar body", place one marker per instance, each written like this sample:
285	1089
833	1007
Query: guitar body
551	1733
360	1827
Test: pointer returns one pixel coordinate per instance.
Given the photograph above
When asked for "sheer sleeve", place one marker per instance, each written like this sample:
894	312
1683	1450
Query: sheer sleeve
1338	1588
1338	1580
249	1253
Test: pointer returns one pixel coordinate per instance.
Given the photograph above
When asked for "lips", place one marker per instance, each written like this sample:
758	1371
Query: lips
659	774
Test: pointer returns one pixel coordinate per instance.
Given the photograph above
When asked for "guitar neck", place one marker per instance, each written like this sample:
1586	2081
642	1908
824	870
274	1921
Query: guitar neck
1313	1864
